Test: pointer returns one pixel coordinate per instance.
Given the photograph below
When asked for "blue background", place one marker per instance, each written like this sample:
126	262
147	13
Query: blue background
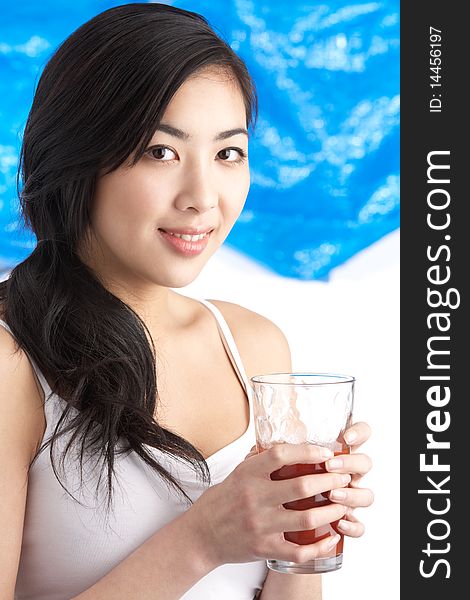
325	155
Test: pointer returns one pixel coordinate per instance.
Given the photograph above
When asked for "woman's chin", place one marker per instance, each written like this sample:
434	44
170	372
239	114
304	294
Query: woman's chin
181	280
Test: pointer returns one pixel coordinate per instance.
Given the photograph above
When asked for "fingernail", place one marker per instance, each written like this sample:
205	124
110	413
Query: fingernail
335	463
344	526
326	453
333	541
338	494
350	437
346	478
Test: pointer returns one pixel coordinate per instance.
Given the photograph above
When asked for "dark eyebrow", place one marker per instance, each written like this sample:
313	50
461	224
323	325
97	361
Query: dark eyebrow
182	135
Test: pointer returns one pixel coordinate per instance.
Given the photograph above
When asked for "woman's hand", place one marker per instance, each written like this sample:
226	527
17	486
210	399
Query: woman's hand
242	519
357	465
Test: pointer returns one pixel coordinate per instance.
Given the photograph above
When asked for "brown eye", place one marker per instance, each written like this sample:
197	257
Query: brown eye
232	155
224	154
162	153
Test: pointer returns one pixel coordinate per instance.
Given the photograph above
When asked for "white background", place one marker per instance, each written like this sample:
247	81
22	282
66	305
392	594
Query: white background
350	325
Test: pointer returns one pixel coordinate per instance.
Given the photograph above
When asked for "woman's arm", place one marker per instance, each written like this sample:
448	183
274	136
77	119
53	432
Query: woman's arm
163	568
286	586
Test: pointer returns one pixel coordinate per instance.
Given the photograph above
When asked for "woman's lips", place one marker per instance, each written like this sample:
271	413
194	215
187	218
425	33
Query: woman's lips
185	247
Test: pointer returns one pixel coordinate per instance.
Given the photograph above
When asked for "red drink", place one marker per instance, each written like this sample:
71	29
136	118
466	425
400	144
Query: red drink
313	535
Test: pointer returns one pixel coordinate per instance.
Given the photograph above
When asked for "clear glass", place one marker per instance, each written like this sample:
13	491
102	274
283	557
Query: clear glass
297	408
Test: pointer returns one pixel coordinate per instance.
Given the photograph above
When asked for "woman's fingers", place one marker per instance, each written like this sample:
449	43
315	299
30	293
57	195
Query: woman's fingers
312	518
358	464
357	434
351	526
355	498
305	552
281	455
305	486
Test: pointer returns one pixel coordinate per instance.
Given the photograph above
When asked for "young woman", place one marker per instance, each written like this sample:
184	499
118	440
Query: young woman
125	463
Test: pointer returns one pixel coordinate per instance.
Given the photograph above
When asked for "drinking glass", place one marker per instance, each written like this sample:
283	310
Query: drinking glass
296	408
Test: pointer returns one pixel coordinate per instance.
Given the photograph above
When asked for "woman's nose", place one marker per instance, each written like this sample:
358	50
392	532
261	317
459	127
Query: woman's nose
197	191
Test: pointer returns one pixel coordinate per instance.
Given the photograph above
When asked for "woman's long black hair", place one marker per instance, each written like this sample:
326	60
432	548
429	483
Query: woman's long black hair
97	103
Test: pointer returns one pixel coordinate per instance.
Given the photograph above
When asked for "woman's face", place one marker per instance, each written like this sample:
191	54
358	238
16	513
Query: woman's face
192	180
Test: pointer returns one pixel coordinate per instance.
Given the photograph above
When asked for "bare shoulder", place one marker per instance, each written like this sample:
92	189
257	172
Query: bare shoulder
263	346
20	395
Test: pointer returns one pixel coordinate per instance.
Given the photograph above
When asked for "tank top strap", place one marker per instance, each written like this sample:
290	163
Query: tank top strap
230	345
42	380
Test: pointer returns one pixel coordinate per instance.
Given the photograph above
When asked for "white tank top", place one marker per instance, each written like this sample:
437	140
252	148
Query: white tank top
68	546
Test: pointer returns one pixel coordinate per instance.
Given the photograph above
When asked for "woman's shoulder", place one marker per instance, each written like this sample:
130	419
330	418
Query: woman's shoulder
20	396
262	344
246	321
